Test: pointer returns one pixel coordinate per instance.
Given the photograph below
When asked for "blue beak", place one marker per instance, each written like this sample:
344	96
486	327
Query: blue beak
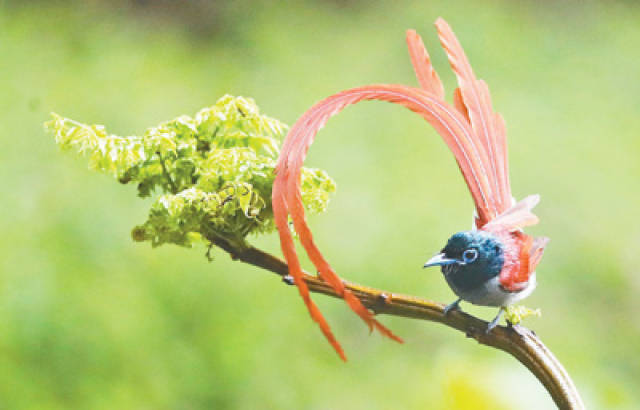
439	260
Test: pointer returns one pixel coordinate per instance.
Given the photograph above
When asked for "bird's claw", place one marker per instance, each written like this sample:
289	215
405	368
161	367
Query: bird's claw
451	306
491	325
288	279
495	321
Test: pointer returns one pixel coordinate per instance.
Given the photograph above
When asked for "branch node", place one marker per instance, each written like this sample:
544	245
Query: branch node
380	302
471	332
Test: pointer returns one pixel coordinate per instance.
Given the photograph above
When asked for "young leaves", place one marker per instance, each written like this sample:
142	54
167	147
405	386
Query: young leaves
214	171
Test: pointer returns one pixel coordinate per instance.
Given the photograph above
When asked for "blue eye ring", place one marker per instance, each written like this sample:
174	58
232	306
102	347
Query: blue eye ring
469	255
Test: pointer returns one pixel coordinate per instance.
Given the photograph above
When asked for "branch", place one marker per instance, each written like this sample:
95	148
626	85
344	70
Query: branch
516	340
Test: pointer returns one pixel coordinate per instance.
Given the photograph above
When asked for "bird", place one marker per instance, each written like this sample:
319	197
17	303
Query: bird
492	264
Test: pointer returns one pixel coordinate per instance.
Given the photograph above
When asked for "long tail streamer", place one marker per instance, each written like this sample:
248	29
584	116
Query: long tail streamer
481	165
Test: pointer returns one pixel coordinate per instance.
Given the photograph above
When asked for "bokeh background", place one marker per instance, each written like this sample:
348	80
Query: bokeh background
90	319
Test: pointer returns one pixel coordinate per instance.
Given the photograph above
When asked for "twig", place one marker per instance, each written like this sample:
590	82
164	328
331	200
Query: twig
516	340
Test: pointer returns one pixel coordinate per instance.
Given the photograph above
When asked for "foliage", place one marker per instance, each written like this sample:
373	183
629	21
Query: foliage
215	171
517	313
90	323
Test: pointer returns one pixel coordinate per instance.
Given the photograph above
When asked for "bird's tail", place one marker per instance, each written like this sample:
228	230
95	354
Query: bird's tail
456	124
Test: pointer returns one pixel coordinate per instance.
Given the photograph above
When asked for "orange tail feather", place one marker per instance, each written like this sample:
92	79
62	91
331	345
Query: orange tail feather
483	165
288	249
453	127
325	270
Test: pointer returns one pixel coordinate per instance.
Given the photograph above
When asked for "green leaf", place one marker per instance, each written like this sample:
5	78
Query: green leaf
517	313
214	171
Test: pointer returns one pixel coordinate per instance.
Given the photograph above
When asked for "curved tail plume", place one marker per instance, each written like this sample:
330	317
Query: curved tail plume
473	98
483	169
427	76
453	127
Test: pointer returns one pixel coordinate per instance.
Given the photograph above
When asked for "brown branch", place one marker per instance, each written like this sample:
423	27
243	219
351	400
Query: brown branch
516	340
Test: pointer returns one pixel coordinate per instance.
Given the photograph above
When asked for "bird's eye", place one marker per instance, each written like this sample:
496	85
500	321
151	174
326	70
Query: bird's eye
469	255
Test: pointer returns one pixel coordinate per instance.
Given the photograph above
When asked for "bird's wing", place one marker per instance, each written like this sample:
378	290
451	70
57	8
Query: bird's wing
473	99
537	249
515	275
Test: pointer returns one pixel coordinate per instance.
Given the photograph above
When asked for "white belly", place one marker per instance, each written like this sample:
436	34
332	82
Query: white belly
492	294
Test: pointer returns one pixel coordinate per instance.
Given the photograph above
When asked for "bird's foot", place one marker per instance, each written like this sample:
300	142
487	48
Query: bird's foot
288	279
451	306
495	320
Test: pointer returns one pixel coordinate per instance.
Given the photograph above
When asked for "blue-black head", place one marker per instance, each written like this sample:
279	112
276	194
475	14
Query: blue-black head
470	258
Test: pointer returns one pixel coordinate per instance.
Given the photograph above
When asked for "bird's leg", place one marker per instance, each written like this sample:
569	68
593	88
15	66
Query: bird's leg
288	279
451	306
495	320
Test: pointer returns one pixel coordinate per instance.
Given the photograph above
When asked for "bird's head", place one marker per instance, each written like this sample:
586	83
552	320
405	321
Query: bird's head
470	258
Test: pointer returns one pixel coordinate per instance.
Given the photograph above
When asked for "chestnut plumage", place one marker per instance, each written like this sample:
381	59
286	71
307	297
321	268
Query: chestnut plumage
492	265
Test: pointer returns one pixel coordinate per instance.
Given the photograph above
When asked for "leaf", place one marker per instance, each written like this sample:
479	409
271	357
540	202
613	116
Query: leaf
213	172
517	313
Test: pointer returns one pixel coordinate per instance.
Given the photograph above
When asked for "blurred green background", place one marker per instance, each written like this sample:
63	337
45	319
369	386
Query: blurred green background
90	319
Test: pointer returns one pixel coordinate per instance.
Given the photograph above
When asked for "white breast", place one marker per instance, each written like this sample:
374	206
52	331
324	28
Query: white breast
492	294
